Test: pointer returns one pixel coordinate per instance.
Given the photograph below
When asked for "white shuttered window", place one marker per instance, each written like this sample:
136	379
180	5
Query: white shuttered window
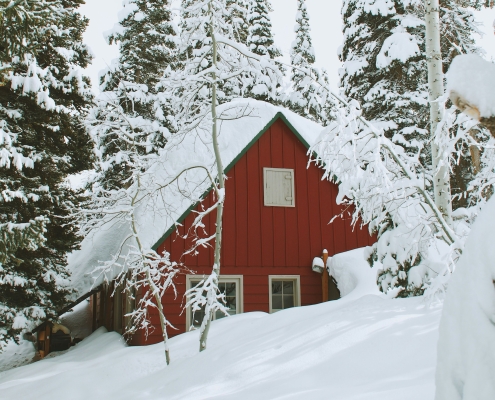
279	187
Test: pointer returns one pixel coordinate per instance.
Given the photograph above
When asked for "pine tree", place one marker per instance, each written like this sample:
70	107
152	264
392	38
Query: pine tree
310	95
385	70
146	37
260	38
42	102
238	19
260	41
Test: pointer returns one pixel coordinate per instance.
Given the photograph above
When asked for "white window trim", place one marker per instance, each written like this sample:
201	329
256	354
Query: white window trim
223	278
295	278
291	171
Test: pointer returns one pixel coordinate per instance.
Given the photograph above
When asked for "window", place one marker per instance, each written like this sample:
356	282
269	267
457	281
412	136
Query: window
230	285
279	187
284	292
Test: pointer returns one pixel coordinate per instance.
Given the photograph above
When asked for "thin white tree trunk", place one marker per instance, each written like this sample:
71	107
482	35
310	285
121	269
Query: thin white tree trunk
156	292
221	186
441	177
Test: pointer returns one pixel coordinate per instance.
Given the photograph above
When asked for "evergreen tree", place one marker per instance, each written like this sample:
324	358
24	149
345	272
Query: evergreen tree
146	37
238	19
260	38
385	70
310	96
42	101
260	41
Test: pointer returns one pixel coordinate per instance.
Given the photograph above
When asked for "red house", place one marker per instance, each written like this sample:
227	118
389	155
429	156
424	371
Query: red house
276	220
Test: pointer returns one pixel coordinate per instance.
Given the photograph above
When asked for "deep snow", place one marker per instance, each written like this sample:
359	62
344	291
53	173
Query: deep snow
466	351
362	346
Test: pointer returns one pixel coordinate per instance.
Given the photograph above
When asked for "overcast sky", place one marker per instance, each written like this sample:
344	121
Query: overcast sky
325	21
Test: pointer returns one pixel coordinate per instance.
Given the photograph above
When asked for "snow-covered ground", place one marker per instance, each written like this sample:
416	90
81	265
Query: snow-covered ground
362	346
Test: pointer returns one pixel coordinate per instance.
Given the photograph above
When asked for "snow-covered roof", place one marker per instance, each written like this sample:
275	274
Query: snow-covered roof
156	214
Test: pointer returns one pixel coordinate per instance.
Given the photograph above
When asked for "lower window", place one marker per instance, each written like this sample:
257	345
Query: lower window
230	286
284	292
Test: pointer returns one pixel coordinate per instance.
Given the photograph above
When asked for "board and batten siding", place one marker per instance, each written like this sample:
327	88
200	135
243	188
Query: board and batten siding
260	240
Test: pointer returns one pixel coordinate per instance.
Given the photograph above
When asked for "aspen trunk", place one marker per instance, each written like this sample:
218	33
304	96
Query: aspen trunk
221	185
475	153
156	292
441	178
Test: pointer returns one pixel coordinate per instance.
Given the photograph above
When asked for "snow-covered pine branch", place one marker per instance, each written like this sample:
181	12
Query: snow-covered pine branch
309	96
42	141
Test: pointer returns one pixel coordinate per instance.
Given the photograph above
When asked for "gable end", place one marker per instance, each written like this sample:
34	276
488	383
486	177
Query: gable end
229	167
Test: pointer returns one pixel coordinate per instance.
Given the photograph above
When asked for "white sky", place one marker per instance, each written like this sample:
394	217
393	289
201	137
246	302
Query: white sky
325	22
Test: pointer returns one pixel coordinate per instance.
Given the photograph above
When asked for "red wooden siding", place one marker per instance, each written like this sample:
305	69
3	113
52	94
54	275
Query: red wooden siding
259	241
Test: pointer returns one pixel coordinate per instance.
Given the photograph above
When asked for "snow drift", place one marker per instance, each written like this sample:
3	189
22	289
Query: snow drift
466	349
359	347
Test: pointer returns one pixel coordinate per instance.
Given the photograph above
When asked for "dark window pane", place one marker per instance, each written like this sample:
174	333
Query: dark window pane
230	289
277	302
288	300
276	287
288	287
230	303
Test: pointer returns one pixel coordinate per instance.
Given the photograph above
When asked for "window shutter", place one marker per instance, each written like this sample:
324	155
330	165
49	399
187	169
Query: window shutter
279	187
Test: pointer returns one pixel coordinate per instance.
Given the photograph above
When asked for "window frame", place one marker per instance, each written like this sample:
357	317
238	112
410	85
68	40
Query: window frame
297	289
223	278
288	170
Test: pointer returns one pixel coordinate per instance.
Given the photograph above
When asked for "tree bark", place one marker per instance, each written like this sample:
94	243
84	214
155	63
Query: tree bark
156	292
441	177
221	185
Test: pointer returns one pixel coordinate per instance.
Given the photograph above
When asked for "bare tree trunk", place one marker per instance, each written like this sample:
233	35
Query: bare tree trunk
475	153
441	177
156	292
221	185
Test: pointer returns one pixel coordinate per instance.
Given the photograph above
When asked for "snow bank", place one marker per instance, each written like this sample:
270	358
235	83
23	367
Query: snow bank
365	349
156	214
466	350
15	355
355	278
473	79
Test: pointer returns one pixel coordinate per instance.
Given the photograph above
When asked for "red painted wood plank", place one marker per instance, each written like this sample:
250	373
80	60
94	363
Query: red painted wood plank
291	228
276	133
241	192
229	221
302	205
266	212
326	213
254	184
279	229
314	205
